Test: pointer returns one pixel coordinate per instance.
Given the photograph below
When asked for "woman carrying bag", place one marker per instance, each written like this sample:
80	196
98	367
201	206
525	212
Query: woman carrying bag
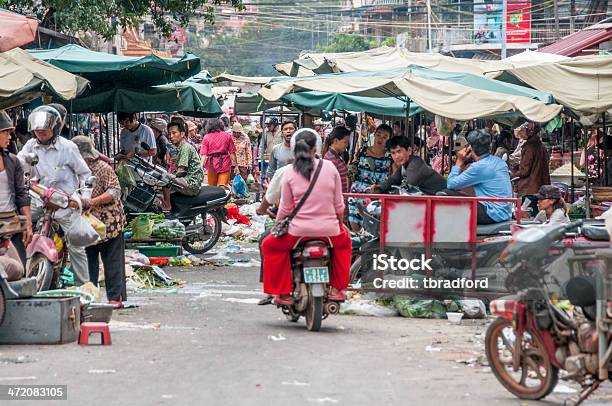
311	206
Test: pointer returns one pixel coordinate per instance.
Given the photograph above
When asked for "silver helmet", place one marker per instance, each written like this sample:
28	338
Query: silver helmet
45	118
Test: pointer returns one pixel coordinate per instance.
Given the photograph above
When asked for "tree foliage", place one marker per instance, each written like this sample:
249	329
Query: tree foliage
104	17
343	42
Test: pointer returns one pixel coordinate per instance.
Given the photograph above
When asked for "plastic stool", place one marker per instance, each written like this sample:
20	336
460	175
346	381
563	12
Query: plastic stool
90	327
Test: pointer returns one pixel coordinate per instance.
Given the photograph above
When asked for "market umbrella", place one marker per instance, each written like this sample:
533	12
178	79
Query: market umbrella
101	68
190	98
16	30
459	96
24	78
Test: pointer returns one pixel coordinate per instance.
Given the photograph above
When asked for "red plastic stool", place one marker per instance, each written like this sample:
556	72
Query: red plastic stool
90	327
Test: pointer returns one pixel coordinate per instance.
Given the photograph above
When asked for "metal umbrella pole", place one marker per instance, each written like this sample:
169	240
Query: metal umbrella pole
573	140
587	194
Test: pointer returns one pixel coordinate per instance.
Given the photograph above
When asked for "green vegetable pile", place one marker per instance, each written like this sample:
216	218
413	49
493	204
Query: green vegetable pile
170	229
142	226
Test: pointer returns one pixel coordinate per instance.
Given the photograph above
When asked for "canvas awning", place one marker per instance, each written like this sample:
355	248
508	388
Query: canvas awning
256	80
101	68
454	95
16	30
24	78
381	59
583	84
190	98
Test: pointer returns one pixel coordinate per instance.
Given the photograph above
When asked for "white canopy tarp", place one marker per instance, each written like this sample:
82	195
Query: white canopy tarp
584	84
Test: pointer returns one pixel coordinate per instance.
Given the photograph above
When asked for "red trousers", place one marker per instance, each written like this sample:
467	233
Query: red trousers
277	262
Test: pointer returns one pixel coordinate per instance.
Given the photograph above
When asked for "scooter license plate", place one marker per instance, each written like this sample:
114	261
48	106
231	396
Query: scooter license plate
316	274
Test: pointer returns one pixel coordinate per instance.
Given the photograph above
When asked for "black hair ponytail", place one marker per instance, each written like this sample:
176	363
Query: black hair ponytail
303	160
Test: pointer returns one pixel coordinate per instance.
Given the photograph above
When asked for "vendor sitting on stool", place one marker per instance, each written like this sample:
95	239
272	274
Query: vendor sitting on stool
488	175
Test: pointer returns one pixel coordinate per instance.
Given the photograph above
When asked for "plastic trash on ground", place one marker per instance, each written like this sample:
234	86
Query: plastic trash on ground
473	308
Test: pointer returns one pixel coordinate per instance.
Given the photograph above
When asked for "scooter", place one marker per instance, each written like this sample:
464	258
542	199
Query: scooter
533	339
47	252
202	215
310	264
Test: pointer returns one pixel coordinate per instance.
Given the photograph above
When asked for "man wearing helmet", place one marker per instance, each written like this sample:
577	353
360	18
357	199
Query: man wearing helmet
60	166
488	175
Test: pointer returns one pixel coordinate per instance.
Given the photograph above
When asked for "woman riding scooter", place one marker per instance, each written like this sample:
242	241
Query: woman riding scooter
320	216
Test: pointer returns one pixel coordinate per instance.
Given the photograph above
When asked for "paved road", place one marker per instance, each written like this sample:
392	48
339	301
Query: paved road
209	344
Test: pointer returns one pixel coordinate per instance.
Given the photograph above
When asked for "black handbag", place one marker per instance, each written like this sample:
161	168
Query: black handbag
282	227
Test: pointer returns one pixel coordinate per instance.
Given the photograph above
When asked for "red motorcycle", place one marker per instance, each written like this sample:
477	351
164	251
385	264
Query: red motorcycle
534	341
47	252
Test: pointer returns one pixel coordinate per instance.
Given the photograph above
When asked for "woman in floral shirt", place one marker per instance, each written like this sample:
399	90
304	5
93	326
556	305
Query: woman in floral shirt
105	204
371	166
244	154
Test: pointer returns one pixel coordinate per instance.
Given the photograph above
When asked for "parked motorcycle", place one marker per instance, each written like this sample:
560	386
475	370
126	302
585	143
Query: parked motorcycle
202	215
310	264
533	342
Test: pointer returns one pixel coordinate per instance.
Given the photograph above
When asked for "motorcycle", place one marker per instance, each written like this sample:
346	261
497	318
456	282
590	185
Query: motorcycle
47	252
202	215
533	342
310	263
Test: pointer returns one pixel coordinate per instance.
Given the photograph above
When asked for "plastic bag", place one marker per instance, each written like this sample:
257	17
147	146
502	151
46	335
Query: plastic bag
473	308
169	229
127	180
250	179
98	225
142	228
240	187
81	234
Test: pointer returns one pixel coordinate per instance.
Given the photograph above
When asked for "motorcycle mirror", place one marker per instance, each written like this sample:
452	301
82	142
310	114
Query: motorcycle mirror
145	146
31	159
91	181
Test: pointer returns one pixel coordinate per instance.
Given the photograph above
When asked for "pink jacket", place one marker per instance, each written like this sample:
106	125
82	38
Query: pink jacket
318	217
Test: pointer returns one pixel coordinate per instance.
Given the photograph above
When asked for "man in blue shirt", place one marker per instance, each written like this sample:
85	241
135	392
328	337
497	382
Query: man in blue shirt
488	175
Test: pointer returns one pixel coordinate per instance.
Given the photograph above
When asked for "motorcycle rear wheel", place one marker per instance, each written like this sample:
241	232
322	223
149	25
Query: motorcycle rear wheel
534	365
41	268
200	247
314	313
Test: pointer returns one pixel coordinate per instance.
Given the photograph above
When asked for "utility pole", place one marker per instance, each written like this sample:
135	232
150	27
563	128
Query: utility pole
459	14
429	25
504	24
572	14
556	10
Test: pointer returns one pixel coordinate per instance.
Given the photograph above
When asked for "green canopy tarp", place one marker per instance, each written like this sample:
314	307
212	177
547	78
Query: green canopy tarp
190	98
101	68
460	96
384	106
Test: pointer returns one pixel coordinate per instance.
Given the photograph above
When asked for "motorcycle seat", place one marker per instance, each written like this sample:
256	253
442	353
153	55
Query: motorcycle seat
493	229
595	233
207	194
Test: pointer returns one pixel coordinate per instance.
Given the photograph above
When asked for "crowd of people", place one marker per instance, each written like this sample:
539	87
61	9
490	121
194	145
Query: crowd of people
284	159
